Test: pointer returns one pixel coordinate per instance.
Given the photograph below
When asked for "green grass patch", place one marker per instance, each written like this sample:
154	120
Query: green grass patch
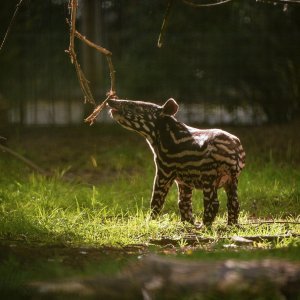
106	204
117	214
111	205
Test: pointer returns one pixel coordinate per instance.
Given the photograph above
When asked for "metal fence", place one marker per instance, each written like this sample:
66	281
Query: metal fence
63	113
39	87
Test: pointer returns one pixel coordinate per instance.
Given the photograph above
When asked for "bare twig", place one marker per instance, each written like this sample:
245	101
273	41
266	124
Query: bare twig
91	44
206	4
92	117
108	55
84	83
112	71
11	23
220	2
280	1
73	7
164	24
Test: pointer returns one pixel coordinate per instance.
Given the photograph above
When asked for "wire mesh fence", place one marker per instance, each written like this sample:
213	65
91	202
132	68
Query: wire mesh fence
218	72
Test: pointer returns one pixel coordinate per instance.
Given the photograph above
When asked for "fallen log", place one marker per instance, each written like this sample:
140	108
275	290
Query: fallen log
156	277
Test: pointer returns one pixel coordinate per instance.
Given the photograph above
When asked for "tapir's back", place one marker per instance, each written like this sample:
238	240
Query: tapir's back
197	155
222	147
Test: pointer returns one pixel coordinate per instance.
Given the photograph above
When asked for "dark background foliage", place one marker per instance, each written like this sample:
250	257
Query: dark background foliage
242	52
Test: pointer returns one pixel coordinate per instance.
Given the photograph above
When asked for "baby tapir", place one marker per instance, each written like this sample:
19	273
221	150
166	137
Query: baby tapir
193	158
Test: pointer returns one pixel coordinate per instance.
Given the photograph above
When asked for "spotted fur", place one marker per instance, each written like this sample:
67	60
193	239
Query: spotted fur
193	158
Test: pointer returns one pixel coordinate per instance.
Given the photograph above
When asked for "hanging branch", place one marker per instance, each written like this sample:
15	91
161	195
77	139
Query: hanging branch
215	2
108	55
11	23
280	1
207	4
188	2
164	24
84	83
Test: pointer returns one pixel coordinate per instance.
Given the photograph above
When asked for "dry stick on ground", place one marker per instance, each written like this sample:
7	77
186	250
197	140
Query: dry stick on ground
269	222
35	167
84	83
25	160
196	239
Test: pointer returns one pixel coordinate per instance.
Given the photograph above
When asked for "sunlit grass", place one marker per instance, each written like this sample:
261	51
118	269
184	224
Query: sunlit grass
106	204
111	205
117	214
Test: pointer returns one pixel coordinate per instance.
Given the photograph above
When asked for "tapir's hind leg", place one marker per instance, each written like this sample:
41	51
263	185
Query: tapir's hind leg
232	201
211	204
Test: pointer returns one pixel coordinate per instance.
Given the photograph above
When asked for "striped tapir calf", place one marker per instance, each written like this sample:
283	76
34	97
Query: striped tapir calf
205	159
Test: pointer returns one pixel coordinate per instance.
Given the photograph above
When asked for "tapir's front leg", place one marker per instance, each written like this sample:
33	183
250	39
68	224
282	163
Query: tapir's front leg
161	187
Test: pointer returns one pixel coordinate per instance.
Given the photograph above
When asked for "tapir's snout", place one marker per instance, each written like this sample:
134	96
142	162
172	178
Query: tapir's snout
112	103
116	108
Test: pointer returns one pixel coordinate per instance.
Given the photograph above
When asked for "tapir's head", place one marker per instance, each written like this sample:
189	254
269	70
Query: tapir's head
140	116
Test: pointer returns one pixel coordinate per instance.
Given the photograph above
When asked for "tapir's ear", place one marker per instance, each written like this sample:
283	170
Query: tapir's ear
170	108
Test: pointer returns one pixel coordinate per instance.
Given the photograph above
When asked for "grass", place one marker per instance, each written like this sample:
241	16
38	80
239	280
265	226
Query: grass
116	213
113	208
107	202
